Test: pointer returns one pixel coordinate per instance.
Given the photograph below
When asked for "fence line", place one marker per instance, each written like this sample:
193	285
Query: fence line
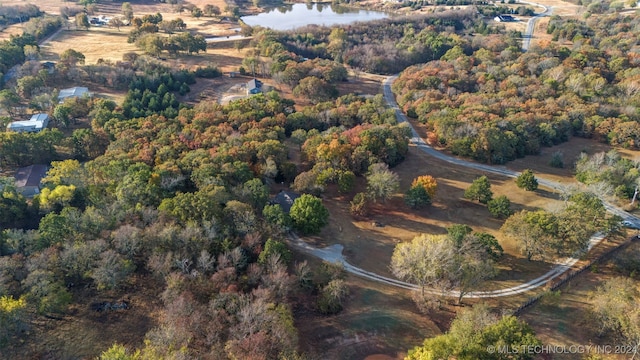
554	284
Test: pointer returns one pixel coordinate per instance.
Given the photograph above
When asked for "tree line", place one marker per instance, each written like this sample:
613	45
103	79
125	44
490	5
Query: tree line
18	14
495	104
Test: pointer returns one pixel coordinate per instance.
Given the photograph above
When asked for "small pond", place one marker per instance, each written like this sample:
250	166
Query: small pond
288	17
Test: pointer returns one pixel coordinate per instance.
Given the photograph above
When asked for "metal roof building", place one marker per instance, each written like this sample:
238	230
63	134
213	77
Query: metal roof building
73	92
36	123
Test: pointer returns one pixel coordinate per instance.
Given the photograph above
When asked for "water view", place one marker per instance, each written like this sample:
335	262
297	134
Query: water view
289	17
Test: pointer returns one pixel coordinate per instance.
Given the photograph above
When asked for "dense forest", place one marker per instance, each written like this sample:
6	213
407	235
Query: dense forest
383	46
179	194
494	103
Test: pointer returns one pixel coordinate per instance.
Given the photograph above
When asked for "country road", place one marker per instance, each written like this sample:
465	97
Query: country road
531	24
333	253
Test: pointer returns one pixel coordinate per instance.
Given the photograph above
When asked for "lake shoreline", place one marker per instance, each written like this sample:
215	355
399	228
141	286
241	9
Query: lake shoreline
291	16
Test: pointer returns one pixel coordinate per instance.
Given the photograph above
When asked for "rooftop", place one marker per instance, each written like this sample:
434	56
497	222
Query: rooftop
254	84
30	175
285	199
77	91
36	123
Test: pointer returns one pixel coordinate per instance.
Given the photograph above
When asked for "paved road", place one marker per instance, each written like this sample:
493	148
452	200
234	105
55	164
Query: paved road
531	24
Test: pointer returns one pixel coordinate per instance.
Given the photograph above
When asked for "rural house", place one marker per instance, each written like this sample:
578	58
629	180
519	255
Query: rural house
28	179
35	124
74	92
285	199
504	18
254	86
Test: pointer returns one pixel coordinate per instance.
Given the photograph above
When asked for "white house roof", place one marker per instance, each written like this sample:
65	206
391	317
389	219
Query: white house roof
36	123
77	91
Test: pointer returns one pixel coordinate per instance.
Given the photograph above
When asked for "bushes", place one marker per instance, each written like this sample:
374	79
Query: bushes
208	72
333	288
557	160
500	207
308	214
417	197
479	190
359	205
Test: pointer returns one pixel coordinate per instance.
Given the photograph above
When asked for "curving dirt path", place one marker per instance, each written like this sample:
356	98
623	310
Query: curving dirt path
333	253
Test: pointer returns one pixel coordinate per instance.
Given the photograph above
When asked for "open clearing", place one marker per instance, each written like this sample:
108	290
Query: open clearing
567	322
83	333
377	319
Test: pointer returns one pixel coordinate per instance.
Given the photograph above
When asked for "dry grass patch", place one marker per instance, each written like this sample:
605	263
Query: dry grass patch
49	6
377	319
370	246
15	29
96	43
568	321
84	333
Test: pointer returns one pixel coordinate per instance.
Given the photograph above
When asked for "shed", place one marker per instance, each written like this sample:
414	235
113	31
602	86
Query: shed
28	179
285	199
35	124
74	92
254	86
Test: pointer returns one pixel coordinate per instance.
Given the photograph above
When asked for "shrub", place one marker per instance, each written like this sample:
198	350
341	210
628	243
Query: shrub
208	72
527	181
500	207
359	205
417	197
556	160
479	190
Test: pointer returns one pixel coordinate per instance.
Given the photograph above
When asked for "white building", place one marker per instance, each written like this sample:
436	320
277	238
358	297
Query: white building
35	124
74	92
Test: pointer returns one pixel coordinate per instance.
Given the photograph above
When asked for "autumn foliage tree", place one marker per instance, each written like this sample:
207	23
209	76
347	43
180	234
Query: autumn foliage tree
428	182
615	312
